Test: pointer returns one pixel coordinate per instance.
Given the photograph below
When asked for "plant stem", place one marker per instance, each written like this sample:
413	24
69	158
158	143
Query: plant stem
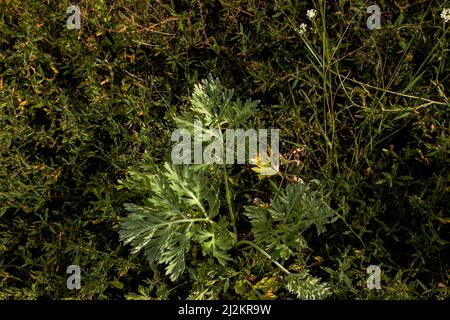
227	188
264	252
228	196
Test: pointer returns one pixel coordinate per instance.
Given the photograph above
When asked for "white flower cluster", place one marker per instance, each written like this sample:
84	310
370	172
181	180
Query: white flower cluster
301	29
311	13
446	15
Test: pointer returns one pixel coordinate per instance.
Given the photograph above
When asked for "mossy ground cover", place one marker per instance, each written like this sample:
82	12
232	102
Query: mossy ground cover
363	118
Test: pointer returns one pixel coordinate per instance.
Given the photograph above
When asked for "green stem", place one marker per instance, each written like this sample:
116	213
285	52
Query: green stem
227	188
228	196
264	252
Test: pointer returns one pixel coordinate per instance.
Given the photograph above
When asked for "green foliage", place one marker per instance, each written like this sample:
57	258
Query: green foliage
307	287
363	118
179	211
215	107
182	204
279	226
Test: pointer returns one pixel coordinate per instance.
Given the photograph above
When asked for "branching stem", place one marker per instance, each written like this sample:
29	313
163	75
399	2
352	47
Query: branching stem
264	252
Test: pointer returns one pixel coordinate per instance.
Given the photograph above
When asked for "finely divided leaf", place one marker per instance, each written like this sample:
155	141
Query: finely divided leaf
179	211
282	223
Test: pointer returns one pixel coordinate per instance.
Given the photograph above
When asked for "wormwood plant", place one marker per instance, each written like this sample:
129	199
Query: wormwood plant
181	213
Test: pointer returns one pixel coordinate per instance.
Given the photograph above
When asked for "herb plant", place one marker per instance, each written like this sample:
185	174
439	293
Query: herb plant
183	210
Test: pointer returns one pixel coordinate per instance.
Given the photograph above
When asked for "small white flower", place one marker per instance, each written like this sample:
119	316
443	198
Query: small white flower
301	29
446	15
311	13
